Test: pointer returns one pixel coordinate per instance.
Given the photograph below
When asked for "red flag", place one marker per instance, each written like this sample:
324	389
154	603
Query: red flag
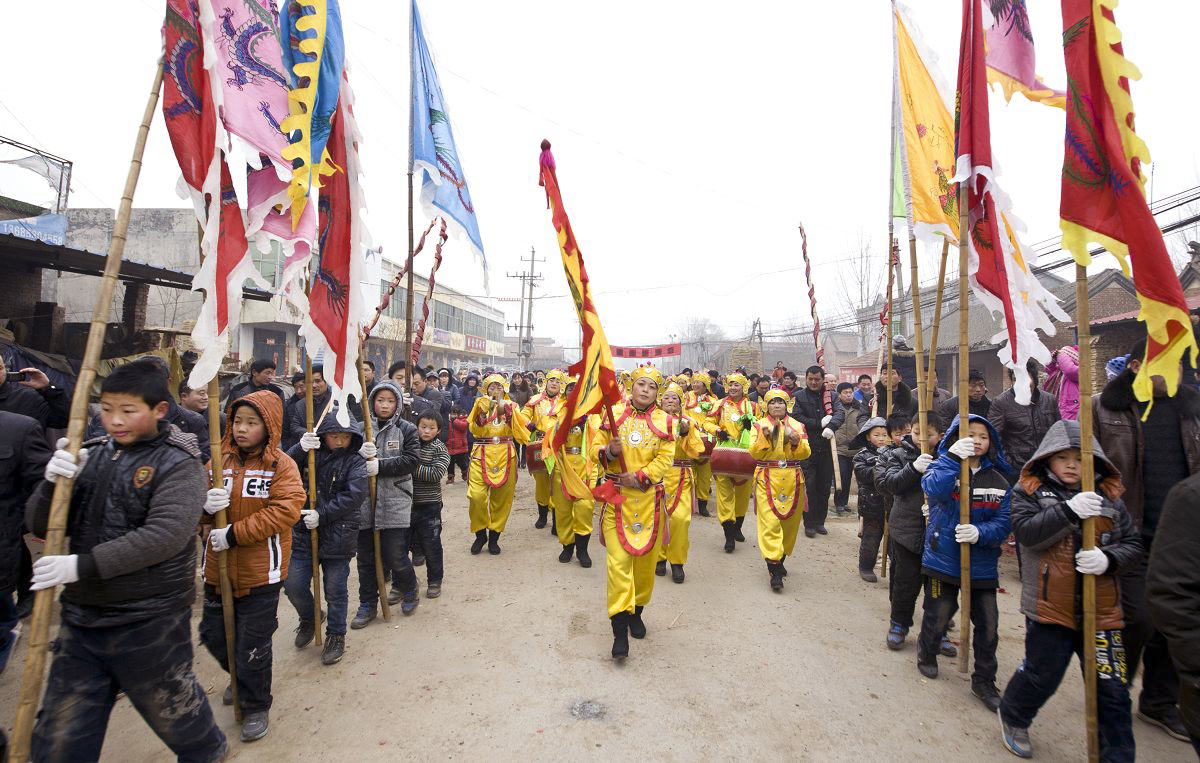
187	107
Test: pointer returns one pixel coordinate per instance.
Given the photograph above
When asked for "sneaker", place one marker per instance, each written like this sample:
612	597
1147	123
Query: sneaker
1169	721
987	693
1016	740
948	649
227	696
366	613
868	575
305	632
394	597
335	647
928	669
434	590
254	726
895	636
409	603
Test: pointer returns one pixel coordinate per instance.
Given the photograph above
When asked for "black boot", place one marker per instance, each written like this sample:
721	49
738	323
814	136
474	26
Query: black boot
660	568
776	576
702	508
677	573
581	552
637	628
783	559
493	541
737	528
620	626
567	552
553	525
543	511
477	546
730	538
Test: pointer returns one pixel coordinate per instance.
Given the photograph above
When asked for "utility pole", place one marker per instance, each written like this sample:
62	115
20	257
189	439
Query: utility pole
524	324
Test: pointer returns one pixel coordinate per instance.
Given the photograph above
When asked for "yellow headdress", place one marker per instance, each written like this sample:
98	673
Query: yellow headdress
776	394
647	372
673	389
491	379
705	380
739	379
557	374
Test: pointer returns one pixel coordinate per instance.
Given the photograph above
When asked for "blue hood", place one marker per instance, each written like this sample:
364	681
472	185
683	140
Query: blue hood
994	458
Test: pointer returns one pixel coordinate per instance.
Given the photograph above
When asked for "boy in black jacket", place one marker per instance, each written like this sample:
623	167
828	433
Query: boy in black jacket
872	438
334	514
129	576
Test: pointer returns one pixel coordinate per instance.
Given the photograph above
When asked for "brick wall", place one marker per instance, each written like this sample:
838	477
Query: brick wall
19	297
1114	299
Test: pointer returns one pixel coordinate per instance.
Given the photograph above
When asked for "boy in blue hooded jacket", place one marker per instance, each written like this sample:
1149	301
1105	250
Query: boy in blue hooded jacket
987	531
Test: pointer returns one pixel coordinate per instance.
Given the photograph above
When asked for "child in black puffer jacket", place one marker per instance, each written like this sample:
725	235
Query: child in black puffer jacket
872	438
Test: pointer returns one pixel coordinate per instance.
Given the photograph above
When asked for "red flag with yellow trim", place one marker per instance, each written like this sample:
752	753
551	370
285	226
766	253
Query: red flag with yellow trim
597	385
1103	199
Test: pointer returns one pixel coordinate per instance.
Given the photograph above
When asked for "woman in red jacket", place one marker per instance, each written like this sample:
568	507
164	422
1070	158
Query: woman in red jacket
457	444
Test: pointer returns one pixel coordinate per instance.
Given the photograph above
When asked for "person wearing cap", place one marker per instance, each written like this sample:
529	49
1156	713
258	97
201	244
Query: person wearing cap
570	470
679	484
733	416
538	412
635	450
780	445
495	423
698	402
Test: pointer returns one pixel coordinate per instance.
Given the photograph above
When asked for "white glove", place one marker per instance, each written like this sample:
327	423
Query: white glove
922	462
964	448
62	463
966	533
825	421
925	510
1093	562
368	450
1086	505
827	433
372	468
218	499
310	441
51	571
310	517
219	538
408	400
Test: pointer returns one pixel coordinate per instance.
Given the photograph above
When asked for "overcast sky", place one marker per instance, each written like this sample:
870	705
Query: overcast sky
691	137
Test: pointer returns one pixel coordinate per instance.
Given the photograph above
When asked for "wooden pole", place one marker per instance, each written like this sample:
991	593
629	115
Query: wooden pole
1088	473
312	491
893	262
35	657
964	474
937	324
371	487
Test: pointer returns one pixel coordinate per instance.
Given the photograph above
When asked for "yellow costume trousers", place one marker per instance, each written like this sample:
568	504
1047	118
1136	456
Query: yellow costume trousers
630	578
489	506
703	474
777	537
541	486
676	552
571	517
732	500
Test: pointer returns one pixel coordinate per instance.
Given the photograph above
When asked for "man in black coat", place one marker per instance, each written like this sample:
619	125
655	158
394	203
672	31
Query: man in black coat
978	403
718	389
262	374
1022	427
427	398
904	402
34	397
295	420
23	456
820	422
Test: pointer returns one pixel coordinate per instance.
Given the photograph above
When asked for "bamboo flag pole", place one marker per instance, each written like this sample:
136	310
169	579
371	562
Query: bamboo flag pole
886	327
35	658
937	324
372	485
964	474
1088	473
893	262
408	309
312	490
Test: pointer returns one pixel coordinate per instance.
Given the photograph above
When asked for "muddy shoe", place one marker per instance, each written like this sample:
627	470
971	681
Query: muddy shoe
822	531
620	628
335	647
660	567
1167	720
809	532
928	668
227	697
702	508
418	558
1016	740
567	552
434	590
480	541
493	542
305	633
637	628
254	726
948	649
543	516
987	693
868	575
581	550
366	613
394	597
677	573
409	604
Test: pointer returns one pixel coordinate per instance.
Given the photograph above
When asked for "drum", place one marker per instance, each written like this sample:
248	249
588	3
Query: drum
732	462
533	458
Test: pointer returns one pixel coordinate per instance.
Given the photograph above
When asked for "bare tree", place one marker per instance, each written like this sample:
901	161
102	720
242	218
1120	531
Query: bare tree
701	339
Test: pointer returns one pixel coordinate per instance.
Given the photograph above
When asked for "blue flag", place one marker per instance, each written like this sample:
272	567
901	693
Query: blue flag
433	150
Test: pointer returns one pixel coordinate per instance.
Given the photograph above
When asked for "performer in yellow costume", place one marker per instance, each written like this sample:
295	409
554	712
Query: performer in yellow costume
636	457
570	488
495	422
698	403
679	485
733	495
780	444
538	411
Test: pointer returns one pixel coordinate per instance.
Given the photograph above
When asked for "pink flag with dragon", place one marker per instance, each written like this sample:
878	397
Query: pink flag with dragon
1010	57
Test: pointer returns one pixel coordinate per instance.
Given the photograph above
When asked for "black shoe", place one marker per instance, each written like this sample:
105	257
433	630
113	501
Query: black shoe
1169	721
480	541
987	693
335	647
737	528
730	537
677	573
637	628
543	515
781	561
928	668
581	550
493	541
776	576
567	552
305	632
410	601
822	531
418	559
660	568
702	508
227	697
394	596
254	726
809	532
868	575
620	628
366	613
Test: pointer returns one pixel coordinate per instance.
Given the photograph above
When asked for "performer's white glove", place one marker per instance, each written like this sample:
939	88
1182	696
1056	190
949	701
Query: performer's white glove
825	421
966	533
408	399
964	448
51	571
219	538
310	441
218	499
62	463
925	510
922	462
368	450
827	433
1091	562
372	468
1086	504
310	518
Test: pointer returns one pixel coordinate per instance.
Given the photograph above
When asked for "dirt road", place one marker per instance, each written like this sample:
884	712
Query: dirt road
512	662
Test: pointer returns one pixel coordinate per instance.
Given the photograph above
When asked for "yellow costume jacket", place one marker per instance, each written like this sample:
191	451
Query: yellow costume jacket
648	450
495	427
778	480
